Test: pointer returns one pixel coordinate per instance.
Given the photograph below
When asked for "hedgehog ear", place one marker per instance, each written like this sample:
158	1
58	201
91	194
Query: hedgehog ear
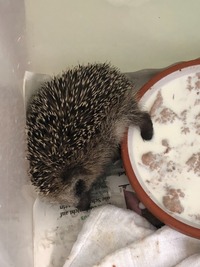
71	173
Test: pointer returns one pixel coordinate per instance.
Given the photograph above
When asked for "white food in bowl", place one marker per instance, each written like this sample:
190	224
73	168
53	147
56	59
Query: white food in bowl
168	167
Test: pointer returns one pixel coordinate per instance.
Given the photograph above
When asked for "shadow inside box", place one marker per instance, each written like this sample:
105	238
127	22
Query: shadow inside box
133	203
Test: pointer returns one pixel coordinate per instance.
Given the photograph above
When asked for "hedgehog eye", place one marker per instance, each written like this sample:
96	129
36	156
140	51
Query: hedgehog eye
79	187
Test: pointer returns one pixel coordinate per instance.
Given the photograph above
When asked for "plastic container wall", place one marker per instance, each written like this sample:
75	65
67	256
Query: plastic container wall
49	36
15	199
132	34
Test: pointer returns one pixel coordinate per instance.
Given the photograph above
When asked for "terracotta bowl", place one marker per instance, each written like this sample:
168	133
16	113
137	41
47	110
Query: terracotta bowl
168	217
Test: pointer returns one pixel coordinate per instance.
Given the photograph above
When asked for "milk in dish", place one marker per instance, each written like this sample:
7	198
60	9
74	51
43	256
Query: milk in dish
168	166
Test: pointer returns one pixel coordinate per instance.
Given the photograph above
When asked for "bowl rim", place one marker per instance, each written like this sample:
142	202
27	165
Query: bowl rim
140	192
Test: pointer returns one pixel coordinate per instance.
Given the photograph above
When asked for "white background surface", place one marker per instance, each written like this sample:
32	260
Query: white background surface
132	34
49	35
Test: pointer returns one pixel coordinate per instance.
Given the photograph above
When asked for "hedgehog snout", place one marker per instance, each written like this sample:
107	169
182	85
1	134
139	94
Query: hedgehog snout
76	195
82	192
84	202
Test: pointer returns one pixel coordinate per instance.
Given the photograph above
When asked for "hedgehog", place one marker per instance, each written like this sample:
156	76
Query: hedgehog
75	123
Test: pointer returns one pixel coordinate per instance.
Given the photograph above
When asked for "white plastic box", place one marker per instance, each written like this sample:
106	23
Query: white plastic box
48	36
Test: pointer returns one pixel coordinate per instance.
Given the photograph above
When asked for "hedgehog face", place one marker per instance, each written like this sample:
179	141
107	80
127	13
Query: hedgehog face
76	185
69	186
75	194
79	195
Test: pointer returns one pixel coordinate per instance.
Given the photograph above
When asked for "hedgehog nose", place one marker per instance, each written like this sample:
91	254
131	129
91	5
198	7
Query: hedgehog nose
84	202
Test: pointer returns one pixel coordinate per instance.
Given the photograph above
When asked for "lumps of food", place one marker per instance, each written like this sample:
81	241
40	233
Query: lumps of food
166	144
166	115
161	113
194	163
169	164
151	160
172	203
172	200
157	104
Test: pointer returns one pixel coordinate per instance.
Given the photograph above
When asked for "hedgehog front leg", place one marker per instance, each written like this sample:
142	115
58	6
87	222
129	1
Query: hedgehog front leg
146	126
143	120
